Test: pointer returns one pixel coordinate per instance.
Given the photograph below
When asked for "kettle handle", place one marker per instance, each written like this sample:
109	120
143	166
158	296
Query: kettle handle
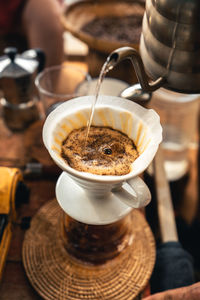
41	59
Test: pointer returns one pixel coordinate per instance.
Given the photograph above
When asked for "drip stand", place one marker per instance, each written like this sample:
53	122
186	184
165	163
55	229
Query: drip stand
56	274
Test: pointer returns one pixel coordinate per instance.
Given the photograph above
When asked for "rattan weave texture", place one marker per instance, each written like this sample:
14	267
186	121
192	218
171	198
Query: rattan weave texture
56	275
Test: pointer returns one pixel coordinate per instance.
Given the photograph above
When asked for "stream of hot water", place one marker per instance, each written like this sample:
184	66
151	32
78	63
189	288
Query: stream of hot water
107	66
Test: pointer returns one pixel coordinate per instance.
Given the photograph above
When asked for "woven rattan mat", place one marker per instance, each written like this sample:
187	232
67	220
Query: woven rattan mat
55	275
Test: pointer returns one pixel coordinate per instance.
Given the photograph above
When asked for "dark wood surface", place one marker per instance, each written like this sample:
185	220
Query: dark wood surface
15	284
13	153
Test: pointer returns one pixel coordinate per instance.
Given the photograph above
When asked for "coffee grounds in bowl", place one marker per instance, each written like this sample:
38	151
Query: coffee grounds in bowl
126	29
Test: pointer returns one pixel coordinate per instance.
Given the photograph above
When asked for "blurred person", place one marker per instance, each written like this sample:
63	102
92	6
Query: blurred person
191	292
28	24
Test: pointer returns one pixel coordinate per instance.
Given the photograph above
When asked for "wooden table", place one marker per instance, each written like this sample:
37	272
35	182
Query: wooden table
15	284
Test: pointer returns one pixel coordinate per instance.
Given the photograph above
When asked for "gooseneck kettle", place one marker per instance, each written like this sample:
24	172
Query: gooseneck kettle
169	48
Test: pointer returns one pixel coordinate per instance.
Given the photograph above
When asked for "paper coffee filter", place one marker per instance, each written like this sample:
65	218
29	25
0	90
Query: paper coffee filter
140	124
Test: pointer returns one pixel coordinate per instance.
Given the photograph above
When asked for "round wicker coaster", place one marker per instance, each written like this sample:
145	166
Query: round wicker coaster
56	275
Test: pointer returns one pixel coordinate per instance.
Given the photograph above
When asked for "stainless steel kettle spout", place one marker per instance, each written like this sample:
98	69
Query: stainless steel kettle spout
130	53
139	92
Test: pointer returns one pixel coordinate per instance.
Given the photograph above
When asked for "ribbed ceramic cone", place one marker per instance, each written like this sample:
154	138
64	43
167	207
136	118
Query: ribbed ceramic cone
56	275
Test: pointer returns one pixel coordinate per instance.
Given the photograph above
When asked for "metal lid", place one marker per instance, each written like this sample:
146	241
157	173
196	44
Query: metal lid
14	65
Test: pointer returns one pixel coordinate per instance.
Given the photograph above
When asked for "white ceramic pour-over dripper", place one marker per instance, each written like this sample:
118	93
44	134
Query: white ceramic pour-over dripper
102	199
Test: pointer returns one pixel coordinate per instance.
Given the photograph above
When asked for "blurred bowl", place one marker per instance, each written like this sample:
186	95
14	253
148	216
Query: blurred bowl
109	86
76	16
